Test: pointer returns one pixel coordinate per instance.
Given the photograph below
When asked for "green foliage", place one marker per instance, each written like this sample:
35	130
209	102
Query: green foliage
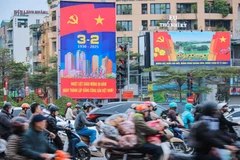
6	62
221	29
120	27
121	54
207	4
194	7
222	6
32	97
61	103
195	26
49	1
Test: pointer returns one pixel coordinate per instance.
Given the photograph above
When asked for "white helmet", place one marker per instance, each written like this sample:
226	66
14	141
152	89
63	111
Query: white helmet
133	106
154	104
221	105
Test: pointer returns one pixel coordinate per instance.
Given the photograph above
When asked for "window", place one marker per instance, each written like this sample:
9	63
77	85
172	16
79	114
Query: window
122	40
124	9
22	23
54	16
54	28
156	22
144	9
124	25
54	46
160	8
37	21
185	8
145	25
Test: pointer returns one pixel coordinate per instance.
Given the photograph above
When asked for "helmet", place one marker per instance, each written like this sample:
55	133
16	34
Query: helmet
142	108
87	105
6	105
50	105
153	104
69	104
221	105
25	105
199	108
148	103
188	106
133	106
173	105
18	121
54	108
43	106
78	106
209	108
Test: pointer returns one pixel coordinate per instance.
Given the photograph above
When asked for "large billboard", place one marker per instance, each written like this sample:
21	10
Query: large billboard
88	50
191	48
235	86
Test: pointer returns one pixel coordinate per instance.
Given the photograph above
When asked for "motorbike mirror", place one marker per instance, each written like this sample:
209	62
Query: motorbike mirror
69	122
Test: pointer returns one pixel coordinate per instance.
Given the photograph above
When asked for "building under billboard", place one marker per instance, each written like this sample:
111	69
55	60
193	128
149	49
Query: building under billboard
184	51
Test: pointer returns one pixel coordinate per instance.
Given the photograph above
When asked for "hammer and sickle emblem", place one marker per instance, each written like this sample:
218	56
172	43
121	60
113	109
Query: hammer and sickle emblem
73	19
160	39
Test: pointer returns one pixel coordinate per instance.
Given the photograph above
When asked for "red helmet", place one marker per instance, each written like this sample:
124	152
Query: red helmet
148	103
69	104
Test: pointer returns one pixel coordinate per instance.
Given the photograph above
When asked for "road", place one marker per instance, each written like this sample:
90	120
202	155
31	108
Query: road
94	158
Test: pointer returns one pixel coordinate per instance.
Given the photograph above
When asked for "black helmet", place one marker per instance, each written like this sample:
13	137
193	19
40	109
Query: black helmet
78	106
209	108
43	106
54	108
199	108
50	105
87	105
7	105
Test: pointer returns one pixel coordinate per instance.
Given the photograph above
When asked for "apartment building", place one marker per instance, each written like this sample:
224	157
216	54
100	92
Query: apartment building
137	16
18	29
3	31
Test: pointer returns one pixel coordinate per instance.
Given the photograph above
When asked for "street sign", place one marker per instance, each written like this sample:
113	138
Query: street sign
127	95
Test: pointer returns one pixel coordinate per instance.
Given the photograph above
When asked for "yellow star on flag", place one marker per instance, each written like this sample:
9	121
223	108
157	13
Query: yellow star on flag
223	39
99	20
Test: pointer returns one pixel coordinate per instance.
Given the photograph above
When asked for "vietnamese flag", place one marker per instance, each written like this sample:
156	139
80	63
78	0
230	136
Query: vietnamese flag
161	47
221	47
101	20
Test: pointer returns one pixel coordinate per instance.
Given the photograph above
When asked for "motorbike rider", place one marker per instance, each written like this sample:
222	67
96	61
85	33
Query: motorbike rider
18	125
69	112
81	124
5	118
52	126
33	143
226	125
198	112
205	135
143	130
172	115
187	116
25	107
152	108
76	110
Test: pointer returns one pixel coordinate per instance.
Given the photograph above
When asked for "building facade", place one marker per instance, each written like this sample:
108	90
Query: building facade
3	33
135	17
18	30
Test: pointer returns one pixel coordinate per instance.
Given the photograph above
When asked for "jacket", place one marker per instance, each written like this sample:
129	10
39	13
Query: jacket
23	114
203	138
187	117
226	125
81	121
34	143
142	129
13	148
52	124
5	130
69	114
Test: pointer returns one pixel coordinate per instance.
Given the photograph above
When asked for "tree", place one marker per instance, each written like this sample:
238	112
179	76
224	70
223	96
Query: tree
222	6
175	78
6	62
61	103
120	27
52	75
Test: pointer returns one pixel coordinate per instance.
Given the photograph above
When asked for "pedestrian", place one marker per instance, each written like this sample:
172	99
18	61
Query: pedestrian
34	143
5	118
69	112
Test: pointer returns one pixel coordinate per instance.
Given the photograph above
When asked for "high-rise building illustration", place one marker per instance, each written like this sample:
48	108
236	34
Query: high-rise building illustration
69	63
95	64
109	66
88	67
104	63
81	61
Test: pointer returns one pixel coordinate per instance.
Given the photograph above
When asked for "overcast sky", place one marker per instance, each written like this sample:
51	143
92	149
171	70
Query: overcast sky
7	7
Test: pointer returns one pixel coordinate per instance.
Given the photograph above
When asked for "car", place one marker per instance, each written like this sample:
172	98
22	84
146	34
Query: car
234	106
180	107
115	108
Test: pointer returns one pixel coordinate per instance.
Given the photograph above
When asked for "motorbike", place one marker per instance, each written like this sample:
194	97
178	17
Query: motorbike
185	133
70	137
3	148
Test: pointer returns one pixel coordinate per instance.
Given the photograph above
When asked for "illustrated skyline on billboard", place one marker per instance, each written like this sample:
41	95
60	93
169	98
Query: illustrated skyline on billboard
87	50
191	48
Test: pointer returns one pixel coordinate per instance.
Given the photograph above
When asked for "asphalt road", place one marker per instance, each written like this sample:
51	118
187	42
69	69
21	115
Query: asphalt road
94	158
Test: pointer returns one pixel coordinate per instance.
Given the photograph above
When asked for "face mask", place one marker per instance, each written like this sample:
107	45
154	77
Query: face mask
10	110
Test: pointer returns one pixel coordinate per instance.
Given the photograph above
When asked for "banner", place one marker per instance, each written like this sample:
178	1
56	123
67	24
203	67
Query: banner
192	48
88	50
235	86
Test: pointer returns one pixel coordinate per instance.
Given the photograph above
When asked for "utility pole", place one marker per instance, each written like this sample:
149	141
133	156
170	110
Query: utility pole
128	71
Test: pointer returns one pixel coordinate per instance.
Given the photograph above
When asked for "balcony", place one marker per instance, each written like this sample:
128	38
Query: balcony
10	42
